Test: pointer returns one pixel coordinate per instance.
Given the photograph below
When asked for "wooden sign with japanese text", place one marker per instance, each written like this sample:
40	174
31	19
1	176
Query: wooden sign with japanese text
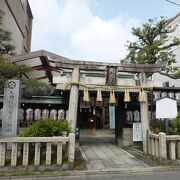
137	132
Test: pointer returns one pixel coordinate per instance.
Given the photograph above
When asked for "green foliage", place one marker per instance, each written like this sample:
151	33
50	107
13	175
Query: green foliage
156	126
5	38
9	70
35	87
174	125
153	45
47	128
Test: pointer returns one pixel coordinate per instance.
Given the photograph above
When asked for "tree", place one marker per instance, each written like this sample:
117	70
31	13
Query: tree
5	38
154	45
34	87
9	70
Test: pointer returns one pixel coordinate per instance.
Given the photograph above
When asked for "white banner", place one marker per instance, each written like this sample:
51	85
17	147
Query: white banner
137	132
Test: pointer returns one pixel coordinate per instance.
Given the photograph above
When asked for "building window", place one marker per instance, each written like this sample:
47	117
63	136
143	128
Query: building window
166	84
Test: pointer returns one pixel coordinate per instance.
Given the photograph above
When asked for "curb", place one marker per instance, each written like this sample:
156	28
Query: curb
85	173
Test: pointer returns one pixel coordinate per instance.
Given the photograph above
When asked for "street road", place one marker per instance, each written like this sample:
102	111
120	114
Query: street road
157	175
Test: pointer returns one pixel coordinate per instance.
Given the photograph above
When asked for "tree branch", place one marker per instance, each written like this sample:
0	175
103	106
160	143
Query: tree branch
169	75
169	46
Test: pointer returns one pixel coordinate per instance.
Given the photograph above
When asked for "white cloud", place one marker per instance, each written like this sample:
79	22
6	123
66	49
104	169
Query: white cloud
73	16
102	40
72	28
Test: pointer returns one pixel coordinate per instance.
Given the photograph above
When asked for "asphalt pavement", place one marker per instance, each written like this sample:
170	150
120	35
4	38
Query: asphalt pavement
160	173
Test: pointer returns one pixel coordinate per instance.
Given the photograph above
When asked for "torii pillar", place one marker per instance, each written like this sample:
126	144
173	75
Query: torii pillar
73	100
144	113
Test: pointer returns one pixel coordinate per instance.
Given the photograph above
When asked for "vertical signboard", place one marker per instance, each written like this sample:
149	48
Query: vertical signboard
137	132
10	108
166	108
112	117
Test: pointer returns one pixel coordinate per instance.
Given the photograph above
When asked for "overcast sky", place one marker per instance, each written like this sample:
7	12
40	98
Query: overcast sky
94	30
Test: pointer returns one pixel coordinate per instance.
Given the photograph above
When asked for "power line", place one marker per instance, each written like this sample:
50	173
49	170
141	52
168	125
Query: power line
173	3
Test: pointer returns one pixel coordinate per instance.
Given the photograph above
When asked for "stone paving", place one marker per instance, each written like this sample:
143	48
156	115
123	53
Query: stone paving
99	151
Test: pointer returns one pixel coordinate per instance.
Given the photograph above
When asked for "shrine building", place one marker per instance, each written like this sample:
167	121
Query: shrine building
94	95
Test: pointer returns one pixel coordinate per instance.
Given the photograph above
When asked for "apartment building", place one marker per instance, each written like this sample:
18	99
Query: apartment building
18	20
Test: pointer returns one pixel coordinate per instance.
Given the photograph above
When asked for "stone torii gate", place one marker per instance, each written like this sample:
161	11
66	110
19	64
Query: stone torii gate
76	66
110	69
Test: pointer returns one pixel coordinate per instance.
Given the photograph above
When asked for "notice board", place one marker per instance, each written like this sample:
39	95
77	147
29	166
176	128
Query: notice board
137	132
166	108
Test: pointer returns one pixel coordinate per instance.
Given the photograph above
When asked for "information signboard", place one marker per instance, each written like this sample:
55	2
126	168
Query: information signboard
137	132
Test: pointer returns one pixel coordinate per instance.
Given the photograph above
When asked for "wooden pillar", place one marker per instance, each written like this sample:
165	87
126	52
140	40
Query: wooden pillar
144	113
73	100
103	116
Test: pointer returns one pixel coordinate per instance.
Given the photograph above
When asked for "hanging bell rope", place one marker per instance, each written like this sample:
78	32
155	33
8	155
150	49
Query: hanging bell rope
99	96
86	95
127	96
142	96
112	99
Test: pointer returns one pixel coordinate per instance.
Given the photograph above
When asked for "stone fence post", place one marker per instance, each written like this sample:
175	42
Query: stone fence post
71	150
162	147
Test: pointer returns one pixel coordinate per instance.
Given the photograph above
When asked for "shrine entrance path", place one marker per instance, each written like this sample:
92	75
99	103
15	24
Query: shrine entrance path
99	151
